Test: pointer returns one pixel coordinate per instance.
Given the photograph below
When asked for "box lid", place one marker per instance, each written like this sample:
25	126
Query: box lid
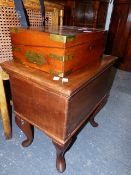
76	81
54	36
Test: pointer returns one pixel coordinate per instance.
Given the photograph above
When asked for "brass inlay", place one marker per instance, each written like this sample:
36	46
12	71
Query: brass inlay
34	57
61	58
62	38
59	73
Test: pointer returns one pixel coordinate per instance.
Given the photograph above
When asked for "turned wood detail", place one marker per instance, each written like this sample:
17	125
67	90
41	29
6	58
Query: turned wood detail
27	129
60	153
98	108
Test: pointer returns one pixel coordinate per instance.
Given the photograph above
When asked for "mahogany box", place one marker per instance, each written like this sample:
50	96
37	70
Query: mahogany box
57	108
57	50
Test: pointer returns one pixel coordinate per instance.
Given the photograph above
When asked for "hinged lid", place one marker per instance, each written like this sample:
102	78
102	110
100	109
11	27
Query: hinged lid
76	81
55	36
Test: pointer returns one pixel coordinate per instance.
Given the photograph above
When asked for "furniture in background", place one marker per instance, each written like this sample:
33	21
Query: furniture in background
90	13
4	106
9	18
54	13
59	109
119	37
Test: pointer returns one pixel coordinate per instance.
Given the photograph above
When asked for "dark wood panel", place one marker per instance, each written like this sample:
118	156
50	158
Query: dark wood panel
91	13
118	41
122	1
118	35
78	109
36	112
84	14
102	14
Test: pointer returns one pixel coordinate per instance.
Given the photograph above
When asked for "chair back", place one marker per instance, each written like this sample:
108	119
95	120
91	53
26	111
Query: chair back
9	18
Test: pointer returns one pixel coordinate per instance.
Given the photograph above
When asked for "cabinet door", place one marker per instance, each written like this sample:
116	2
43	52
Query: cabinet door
128	53
127	60
91	13
84	14
118	33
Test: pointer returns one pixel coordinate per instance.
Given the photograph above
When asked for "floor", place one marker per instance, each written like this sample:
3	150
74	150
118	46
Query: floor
105	150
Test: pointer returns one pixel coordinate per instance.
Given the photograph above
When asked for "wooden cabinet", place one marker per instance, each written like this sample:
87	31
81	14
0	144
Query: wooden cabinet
88	13
127	60
91	13
119	37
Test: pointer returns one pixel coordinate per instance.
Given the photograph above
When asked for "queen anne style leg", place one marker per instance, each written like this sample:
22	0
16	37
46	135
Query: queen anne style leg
27	130
98	108
93	122
60	152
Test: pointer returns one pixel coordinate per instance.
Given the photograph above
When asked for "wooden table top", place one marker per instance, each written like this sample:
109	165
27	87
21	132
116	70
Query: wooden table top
76	80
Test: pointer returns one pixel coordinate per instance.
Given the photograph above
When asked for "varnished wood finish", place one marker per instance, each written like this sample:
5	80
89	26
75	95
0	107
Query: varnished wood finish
119	37
126	63
98	108
27	130
57	50
59	109
60	152
90	13
84	90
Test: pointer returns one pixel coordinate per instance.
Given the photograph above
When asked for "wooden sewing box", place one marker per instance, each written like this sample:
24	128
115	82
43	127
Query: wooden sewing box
58	108
57	50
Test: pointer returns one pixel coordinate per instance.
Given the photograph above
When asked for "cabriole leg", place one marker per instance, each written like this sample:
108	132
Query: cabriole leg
60	152
27	130
98	108
93	122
